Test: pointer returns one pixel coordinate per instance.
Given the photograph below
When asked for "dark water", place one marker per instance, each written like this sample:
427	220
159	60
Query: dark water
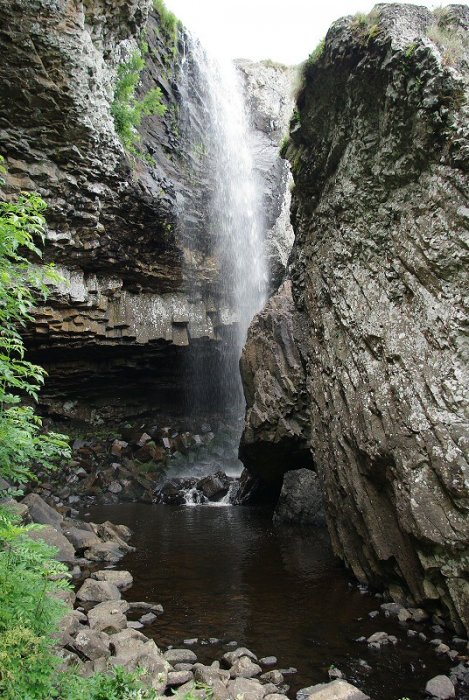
227	573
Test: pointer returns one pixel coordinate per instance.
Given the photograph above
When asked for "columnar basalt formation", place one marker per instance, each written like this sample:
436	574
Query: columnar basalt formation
139	283
379	151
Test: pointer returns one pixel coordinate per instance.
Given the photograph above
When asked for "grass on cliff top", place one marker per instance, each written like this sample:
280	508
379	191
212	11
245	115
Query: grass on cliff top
452	40
168	21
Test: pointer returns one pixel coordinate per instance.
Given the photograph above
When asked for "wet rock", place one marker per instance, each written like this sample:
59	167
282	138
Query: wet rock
122	579
41	512
300	499
135	625
442	649
243	667
231	656
54	538
177	656
93	591
274	677
92	644
268	661
379	639
148	619
140	605
214	485
110	552
334	672
440	687
109	616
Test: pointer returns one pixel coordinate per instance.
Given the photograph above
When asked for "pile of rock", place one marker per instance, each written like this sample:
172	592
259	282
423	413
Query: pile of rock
131	463
79	544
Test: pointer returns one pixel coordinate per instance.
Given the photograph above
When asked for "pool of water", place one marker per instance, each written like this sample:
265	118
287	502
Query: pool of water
227	573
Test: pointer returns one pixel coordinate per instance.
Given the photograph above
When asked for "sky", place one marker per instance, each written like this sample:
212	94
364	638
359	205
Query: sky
286	31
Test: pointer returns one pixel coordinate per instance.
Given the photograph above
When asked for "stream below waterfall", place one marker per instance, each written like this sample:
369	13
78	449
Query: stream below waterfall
227	574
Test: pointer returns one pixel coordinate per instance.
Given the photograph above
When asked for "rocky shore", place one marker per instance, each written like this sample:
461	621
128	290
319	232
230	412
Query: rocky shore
103	630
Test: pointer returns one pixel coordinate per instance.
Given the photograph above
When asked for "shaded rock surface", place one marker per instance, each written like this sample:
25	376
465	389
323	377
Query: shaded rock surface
379	155
300	499
276	433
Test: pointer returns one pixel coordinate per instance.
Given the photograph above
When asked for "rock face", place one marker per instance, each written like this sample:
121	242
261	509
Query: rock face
379	157
141	288
300	499
276	434
269	89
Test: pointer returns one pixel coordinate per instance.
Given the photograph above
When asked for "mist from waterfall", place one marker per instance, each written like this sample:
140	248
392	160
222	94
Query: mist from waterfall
217	129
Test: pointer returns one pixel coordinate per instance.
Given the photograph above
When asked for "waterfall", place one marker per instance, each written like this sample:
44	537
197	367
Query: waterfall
226	191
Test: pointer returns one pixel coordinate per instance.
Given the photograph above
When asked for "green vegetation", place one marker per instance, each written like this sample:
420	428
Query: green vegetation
366	27
451	40
22	441
313	58
127	110
170	24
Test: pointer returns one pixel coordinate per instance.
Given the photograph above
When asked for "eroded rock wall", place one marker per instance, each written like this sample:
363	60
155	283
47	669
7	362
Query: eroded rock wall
129	235
379	152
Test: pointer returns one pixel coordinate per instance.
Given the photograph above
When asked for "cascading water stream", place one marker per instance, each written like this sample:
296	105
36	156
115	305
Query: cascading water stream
227	192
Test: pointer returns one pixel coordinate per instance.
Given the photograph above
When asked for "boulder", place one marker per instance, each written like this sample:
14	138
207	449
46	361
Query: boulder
41	512
51	536
245	689
300	499
243	667
133	650
80	539
121	579
110	552
92	644
335	690
231	656
178	656
109	616
92	591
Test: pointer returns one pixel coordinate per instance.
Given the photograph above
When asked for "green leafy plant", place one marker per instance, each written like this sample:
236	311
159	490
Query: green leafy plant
30	578
127	110
118	684
23	444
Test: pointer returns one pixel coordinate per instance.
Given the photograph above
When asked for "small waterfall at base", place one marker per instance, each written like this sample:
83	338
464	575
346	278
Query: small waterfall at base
226	191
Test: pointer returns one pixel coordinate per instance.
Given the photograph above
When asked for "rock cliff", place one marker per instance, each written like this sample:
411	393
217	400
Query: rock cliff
269	89
141	287
379	151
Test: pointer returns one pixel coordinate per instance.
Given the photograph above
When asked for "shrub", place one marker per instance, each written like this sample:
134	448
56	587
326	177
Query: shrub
22	442
127	110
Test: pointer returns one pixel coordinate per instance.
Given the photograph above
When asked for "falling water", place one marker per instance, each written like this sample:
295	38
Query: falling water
220	131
